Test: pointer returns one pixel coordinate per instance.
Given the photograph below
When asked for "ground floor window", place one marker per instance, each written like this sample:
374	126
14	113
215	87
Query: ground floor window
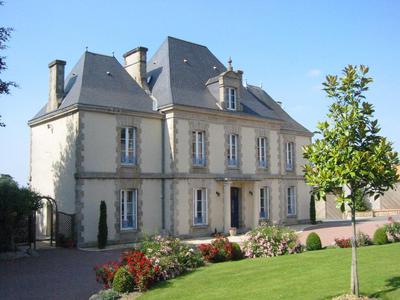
128	209
291	200
264	203
200	206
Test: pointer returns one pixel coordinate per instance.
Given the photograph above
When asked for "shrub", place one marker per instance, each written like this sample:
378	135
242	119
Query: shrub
363	239
267	241
393	230
171	256
312	210
103	230
313	242
343	242
141	268
105	273
109	294
219	250
237	252
380	236
123	281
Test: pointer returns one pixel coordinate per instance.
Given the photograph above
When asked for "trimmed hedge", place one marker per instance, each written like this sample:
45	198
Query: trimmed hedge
123	281
380	236
102	235
313	242
237	253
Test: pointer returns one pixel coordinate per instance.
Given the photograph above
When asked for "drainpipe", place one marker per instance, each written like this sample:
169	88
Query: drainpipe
163	172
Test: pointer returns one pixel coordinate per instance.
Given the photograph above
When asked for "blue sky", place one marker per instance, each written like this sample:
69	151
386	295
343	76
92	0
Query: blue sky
288	46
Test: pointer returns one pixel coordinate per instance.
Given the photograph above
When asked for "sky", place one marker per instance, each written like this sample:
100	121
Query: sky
287	46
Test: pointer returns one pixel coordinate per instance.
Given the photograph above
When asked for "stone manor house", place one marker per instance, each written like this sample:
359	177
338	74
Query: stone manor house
175	144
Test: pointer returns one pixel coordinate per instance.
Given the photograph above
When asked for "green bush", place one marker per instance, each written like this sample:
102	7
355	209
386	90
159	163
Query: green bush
237	253
380	236
313	242
123	281
109	294
102	235
393	230
312	210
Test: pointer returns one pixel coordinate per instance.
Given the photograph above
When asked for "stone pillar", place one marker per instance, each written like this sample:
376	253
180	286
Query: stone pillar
227	206
256	203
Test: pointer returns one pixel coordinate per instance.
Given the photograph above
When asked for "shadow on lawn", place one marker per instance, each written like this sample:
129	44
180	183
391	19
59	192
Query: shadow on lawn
392	284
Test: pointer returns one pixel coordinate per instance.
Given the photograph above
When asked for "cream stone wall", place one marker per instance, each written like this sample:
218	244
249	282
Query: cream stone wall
183	140
248	137
151	145
52	162
274	152
151	206
217	148
100	137
301	141
303	201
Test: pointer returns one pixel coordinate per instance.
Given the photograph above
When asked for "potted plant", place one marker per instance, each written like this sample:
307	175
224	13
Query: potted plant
232	231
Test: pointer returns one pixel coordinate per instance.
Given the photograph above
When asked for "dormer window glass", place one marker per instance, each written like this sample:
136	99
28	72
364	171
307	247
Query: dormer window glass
231	99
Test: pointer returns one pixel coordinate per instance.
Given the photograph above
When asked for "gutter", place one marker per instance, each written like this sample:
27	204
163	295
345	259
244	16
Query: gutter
163	172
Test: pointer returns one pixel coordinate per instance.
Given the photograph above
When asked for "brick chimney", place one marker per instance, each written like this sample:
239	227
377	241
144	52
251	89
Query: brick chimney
135	65
56	84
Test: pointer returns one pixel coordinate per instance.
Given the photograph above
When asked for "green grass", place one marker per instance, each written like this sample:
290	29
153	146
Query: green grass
312	275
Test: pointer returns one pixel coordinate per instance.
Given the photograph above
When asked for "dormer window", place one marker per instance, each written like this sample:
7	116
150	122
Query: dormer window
231	105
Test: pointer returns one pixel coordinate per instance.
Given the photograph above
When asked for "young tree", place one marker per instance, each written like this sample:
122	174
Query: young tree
102	235
5	34
350	159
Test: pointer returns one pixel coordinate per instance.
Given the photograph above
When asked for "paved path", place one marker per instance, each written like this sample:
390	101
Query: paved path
55	274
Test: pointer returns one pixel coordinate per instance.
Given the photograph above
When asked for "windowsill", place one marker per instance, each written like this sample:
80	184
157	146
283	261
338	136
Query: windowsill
292	216
128	165
199	166
127	230
200	225
233	167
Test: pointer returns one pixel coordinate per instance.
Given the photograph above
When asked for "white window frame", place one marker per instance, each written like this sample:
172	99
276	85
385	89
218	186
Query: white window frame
264	202
125	159
232	99
198	148
124	209
291	201
289	156
262	152
204	207
233	150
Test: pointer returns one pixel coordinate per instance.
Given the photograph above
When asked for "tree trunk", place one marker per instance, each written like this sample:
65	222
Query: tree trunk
354	274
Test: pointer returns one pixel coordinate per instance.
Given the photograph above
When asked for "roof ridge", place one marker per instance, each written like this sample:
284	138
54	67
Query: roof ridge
101	54
188	42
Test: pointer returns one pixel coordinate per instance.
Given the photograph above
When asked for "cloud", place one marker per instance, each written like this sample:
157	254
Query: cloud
314	73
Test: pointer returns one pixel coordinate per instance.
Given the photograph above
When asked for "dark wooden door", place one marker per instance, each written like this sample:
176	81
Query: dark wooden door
235	207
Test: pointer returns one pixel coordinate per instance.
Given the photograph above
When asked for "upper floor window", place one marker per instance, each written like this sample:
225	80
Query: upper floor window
233	150
291	201
198	147
128	209
200	206
289	156
231	105
262	152
128	145
264	203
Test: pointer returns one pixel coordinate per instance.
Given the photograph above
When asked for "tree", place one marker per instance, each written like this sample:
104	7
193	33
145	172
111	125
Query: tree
5	34
103	230
16	203
312	210
350	159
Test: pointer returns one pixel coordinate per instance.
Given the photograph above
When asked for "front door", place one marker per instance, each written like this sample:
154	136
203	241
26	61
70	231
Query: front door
235	207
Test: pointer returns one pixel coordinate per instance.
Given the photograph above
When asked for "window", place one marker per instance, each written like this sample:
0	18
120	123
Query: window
264	203
262	152
291	201
128	145
128	209
199	157
232	151
200	206
289	156
231	105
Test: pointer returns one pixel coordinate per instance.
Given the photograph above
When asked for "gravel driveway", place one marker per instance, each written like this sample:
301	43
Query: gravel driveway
54	274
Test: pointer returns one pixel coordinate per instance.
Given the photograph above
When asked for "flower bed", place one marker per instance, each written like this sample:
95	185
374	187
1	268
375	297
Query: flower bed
343	242
219	250
393	230
268	241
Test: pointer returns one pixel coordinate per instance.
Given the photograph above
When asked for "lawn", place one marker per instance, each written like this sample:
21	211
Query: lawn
311	275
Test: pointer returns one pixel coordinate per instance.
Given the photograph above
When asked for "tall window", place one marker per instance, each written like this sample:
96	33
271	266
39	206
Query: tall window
262	152
291	200
128	209
199	157
128	145
233	151
289	156
200	206
264	203
231	92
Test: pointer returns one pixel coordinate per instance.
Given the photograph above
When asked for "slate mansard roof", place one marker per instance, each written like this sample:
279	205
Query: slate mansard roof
177	75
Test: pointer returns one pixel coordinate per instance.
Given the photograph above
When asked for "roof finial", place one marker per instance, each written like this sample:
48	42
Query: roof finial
86	48
113	54
230	64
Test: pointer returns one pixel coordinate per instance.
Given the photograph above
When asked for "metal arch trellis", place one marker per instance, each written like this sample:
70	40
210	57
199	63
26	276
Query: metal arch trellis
54	212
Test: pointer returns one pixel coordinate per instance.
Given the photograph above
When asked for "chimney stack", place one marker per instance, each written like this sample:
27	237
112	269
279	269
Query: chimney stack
135	65
56	84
